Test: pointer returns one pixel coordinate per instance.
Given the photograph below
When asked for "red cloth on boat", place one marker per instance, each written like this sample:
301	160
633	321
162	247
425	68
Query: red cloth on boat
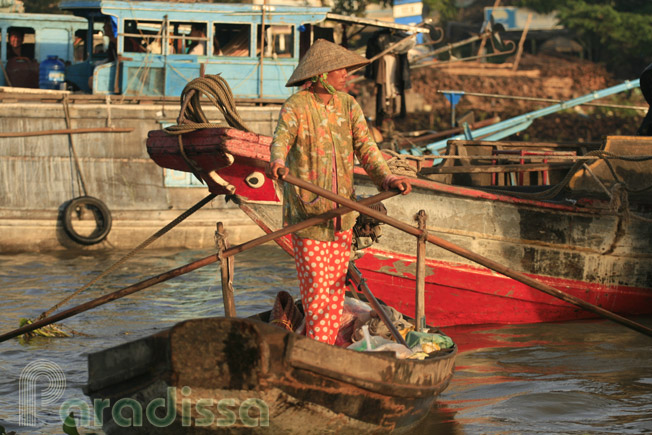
285	312
321	268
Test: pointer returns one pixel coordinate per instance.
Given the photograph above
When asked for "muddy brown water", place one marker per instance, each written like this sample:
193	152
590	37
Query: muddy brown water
571	378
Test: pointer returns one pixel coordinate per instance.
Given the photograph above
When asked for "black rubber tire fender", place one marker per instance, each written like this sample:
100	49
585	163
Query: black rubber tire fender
100	212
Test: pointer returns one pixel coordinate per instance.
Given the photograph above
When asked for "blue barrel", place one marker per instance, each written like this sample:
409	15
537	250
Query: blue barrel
52	73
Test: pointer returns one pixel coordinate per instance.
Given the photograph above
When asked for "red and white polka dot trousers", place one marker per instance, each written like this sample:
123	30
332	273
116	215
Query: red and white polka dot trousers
321	267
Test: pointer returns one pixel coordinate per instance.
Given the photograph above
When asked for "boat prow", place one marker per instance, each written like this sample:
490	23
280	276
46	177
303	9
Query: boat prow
231	374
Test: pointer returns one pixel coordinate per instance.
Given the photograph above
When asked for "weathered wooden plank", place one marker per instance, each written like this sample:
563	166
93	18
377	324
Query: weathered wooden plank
525	145
527	167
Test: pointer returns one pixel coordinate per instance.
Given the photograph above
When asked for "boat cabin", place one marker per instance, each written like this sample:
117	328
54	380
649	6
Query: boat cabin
153	49
156	48
28	39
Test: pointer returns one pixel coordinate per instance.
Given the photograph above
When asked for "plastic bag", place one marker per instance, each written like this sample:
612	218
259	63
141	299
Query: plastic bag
375	343
352	311
359	309
368	342
426	342
378	327
399	350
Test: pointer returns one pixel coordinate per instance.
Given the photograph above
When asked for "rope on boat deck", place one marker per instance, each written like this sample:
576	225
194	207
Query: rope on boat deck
192	117
619	194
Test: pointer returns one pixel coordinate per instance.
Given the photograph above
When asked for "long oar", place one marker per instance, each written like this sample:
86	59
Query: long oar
189	267
360	282
468	255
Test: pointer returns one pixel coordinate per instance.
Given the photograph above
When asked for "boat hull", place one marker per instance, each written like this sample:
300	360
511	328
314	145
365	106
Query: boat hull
460	293
240	375
38	177
587	250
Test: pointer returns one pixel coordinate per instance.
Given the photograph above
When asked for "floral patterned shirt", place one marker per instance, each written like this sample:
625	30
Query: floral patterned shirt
317	142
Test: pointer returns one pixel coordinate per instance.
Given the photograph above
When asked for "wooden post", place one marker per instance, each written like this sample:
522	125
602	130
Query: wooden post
420	303
226	271
262	48
519	53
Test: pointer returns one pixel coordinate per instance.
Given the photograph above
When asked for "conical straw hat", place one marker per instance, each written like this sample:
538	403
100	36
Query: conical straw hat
324	56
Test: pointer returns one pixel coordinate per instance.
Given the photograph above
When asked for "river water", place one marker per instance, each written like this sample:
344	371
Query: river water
571	378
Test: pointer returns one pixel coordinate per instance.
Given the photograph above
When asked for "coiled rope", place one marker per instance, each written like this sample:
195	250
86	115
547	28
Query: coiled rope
399	164
192	116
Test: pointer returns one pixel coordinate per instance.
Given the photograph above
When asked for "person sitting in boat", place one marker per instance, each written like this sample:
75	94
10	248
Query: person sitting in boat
197	47
646	88
15	47
319	131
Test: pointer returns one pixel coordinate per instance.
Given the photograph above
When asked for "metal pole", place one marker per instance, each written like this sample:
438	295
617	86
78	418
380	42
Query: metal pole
542	100
262	47
420	303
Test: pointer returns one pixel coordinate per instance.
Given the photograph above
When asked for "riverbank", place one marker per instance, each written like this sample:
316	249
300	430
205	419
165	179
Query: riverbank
537	77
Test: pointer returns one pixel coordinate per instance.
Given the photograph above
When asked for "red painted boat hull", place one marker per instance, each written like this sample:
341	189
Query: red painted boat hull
463	295
585	251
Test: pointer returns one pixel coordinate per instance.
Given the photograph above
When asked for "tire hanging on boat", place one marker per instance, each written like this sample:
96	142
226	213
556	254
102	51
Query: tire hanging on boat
78	209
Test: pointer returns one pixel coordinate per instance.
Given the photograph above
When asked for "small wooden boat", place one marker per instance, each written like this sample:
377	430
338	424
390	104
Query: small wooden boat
238	375
583	241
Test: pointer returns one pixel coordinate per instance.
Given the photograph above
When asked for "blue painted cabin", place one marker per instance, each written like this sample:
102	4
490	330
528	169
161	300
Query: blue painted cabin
159	47
43	35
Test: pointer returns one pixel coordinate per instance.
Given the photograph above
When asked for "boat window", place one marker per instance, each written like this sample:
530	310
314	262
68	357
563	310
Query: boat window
279	41
100	44
20	42
188	38
104	46
142	36
79	45
231	39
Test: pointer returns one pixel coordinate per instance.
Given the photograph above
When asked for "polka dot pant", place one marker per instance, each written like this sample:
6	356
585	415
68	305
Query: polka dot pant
321	267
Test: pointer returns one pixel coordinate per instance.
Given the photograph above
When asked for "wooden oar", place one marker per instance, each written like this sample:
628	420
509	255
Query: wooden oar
360	282
468	255
189	267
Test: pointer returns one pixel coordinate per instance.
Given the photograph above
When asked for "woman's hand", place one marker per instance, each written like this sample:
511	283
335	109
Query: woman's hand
273	168
401	183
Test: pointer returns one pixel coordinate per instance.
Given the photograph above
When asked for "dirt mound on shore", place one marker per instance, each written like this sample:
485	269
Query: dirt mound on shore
540	76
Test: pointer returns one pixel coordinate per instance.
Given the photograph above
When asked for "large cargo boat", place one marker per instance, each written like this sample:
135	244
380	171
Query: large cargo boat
588	239
126	65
